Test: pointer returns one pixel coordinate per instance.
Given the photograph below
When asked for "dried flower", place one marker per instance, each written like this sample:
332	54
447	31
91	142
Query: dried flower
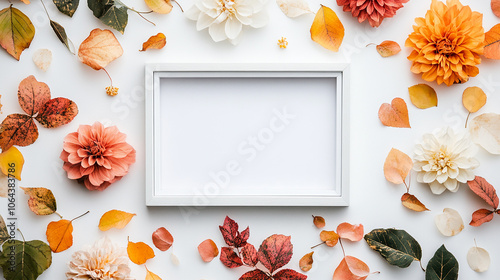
447	43
372	10
226	18
97	156
444	159
111	91
282	43
103	261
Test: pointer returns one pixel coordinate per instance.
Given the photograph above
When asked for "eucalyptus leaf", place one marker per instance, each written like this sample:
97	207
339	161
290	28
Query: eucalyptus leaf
25	260
396	246
61	34
113	13
67	7
4	233
442	266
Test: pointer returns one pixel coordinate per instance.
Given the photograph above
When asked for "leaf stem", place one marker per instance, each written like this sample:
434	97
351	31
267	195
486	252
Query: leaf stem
22	235
370	44
43	4
420	262
467	120
182	10
60	216
109	76
317	245
342	246
80	216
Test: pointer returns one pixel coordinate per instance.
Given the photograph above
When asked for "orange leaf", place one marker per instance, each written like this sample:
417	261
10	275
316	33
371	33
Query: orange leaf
319	221
151	276
473	99
329	237
411	202
9	157
162	239
423	96
388	48
32	95
327	29
495	7
17	129
481	216
397	166
351	232
99	49
208	250
60	235
394	114
114	219
351	268
139	252
484	190
157	41
306	262
41	201
492	42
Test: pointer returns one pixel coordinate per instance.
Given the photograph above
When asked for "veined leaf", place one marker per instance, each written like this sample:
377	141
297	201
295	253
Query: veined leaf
31	259
61	34
492	42
442	266
41	201
394	114
17	129
327	29
12	156
4	233
113	13
67	7
16	31
484	190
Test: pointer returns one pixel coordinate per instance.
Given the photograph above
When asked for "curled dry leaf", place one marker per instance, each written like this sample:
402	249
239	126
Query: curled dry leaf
327	29
478	259
481	216
162	239
139	252
99	49
350	232
114	219
151	276
160	6
306	262
397	166
329	237
473	99
484	190
61	35
423	96
229	258
12	156
157	41
394	114
60	235
16	31
294	8
449	223
411	202
388	48
231	235
41	201
485	131
32	95
208	250
351	268
42	59
17	129
492	41
495	7
319	221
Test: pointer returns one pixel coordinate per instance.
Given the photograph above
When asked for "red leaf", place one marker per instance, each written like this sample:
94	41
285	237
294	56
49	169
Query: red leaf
231	235
275	252
484	190
289	274
17	129
249	255
56	112
162	239
480	217
32	95
229	258
255	275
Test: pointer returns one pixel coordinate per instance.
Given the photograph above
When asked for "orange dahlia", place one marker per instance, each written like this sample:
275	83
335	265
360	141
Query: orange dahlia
372	10
447	43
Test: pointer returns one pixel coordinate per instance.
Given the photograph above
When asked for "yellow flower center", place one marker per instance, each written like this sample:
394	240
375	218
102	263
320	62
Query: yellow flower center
226	7
441	161
445	47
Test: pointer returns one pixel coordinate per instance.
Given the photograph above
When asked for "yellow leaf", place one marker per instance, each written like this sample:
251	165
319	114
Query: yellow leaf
388	48
492	43
157	41
16	31
114	219
60	235
327	30
151	276
331	238
423	96
397	166
99	49
12	160
41	201
159	6
473	99
139	252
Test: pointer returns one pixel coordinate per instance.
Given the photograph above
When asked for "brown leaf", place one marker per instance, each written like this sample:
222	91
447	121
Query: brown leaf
388	48
351	232
99	49
397	166
60	235
411	202
306	262
208	250
151	276
473	99
329	237
162	239
57	112
229	258
423	96
32	95
394	114
351	268
275	251
157	41
484	190
495	7
41	201
319	221
327	29
114	219
492	41
481	216
17	129
139	252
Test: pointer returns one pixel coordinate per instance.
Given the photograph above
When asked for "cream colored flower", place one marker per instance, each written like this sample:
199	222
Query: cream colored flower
445	158
103	261
225	18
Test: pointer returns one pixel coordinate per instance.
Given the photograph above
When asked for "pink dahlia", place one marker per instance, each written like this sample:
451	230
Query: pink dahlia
372	10
97	156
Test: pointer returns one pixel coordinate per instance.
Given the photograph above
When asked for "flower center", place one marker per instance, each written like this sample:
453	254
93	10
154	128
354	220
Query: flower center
96	149
441	160
226	7
444	46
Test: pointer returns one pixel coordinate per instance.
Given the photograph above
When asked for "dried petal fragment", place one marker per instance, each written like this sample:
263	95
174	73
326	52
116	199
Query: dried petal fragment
423	96
42	59
208	250
478	259
485	131
411	202
294	8
473	99
351	232
162	239
306	262
319	221
394	114
449	223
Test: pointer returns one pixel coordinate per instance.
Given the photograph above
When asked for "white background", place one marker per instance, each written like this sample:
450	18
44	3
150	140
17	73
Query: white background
374	202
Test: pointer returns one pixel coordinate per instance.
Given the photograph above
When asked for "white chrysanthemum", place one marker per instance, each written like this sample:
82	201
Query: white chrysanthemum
225	18
444	159
103	261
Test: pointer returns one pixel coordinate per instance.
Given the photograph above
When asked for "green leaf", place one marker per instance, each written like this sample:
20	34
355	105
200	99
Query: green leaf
61	34
4	233
26	260
113	13
396	246
16	31
67	7
442	266
99	7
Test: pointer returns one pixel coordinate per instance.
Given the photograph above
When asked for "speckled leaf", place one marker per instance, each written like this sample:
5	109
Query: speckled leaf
41	201
231	235
32	95
289	274
17	129
442	266
249	255
56	112
275	251
99	7
4	233
61	34
229	258
67	7
16	31
31	259
254	275
396	246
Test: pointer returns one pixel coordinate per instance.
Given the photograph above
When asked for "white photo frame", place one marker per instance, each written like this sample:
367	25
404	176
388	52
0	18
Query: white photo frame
247	134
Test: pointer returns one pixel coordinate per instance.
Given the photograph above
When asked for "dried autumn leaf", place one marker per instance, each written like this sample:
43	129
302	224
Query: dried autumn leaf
162	239
449	223
484	190
350	232
442	266
32	95
229	258
397	166
99	49
9	157
492	42
351	268
57	112
139	252
473	99
319	221
151	276
157	41
306	262
67	7
249	255
275	251
60	235
327	29
41	201
42	59
288	274
208	250
4	185
388	48
394	114
231	235
481	216
16	31
255	274
113	13
411	202
160	6
294	8
4	233
495	7
114	219
478	259
423	96
61	35
17	129
330	238
32	258
485	131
